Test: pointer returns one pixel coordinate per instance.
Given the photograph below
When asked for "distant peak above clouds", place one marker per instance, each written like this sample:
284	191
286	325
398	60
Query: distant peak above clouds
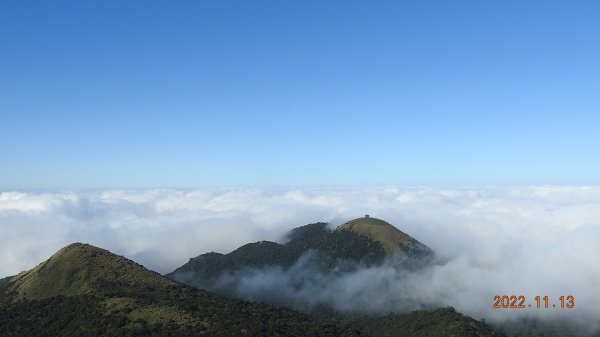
393	240
491	234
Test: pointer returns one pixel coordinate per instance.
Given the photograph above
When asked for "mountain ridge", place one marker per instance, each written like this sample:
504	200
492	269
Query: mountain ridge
355	241
79	269
86	287
312	256
128	300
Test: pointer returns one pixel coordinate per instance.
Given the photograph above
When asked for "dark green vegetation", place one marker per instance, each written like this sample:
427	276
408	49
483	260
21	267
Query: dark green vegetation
531	327
87	291
364	241
360	242
421	323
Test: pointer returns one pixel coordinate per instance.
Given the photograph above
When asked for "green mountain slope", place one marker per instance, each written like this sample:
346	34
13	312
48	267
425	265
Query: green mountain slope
422	323
393	241
81	269
87	291
534	327
355	244
366	241
83	290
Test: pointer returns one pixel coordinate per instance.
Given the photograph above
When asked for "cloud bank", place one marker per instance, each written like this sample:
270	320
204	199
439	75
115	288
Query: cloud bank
500	241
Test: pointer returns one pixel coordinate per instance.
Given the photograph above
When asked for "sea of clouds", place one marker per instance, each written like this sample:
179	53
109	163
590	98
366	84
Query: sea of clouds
499	241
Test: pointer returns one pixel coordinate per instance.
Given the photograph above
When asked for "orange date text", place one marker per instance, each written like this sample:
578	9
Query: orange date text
538	302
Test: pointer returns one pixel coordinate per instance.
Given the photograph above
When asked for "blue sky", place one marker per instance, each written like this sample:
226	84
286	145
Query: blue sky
142	94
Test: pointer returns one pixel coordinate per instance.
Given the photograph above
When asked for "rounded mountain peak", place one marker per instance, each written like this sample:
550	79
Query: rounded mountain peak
392	239
79	269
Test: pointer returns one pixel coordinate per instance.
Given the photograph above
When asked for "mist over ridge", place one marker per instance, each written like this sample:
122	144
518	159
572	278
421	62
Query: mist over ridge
523	240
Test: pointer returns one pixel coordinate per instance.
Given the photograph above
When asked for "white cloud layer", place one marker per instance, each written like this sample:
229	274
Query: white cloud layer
501	241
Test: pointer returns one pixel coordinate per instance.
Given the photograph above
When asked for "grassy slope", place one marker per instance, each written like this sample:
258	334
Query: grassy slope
391	238
84	288
87	291
80	269
364	240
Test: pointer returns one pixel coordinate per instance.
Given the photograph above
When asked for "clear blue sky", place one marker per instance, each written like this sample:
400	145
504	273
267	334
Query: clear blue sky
103	94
